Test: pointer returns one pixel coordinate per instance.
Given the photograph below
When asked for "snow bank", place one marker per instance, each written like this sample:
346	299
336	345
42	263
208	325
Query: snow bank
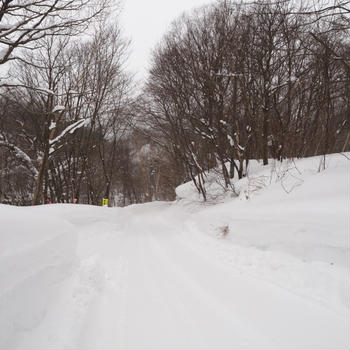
36	252
289	225
286	175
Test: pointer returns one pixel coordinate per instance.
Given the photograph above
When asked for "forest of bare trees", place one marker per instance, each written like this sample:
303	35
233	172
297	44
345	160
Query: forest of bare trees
228	83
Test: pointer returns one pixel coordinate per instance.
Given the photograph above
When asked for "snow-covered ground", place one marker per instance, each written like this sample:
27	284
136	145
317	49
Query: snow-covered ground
267	269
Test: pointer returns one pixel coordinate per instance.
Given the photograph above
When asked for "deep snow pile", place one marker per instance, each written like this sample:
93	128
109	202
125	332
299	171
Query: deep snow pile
267	267
36	253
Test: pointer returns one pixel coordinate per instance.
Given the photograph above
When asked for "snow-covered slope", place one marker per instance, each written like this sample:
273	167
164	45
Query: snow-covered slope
267	269
294	229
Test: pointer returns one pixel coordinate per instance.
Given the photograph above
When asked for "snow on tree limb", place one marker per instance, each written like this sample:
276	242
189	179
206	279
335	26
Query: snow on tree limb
69	129
18	153
35	88
58	108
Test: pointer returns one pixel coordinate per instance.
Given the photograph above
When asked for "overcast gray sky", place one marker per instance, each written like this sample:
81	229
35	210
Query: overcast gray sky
145	22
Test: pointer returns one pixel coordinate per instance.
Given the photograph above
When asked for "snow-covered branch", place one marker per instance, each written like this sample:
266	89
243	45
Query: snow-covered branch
19	154
70	129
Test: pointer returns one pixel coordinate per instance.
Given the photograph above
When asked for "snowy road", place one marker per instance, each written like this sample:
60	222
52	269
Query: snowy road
143	282
165	276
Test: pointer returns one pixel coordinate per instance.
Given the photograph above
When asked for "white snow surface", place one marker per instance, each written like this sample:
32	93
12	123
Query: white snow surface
267	269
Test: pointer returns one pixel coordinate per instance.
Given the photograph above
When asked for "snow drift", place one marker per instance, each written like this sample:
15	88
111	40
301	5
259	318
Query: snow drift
36	252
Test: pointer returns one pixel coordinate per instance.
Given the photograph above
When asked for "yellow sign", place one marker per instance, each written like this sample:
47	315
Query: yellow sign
105	202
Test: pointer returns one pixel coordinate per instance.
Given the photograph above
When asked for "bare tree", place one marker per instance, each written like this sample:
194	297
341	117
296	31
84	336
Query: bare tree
83	87
23	23
231	82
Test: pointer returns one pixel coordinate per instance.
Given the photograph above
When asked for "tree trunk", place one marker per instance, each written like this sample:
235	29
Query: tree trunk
40	179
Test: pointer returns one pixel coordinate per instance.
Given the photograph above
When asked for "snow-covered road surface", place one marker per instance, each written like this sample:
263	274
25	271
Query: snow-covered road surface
142	282
165	276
